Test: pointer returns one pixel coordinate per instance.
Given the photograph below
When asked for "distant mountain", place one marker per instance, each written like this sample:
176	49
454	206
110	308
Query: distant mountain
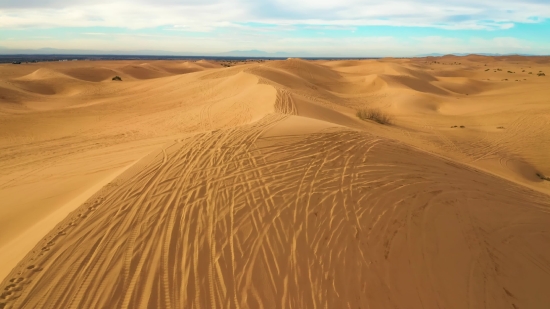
235	53
55	51
467	54
454	54
259	53
430	55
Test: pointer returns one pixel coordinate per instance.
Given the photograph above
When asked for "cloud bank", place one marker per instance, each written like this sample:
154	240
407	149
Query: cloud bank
315	27
204	15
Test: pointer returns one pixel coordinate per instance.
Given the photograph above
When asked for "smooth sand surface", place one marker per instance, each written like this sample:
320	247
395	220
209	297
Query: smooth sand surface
195	185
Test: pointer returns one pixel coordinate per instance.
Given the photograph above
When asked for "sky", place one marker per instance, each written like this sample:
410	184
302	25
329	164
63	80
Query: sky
347	28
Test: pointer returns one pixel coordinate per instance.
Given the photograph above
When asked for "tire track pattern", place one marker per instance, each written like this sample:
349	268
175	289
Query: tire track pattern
284	103
336	219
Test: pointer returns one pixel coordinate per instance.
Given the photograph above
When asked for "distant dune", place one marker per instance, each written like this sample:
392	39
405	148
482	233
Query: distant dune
253	184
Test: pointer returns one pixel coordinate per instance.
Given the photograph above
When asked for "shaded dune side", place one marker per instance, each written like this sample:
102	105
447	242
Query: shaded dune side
463	85
45	81
325	90
142	72
181	68
250	218
11	94
139	71
310	71
297	96
414	83
91	74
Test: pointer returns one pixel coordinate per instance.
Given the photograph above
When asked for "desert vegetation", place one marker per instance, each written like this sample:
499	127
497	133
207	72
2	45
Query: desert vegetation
374	114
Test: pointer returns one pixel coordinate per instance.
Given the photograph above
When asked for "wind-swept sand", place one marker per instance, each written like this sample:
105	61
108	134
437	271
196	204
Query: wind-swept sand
194	185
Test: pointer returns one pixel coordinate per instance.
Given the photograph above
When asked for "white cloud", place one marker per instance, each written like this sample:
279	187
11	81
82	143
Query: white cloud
205	15
282	16
502	42
124	14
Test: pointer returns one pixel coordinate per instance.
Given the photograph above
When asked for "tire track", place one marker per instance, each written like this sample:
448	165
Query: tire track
233	219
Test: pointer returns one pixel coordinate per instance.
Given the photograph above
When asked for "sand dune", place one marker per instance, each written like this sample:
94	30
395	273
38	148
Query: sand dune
192	185
91	73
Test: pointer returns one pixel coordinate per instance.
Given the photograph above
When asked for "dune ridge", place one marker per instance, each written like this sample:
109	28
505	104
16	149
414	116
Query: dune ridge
256	186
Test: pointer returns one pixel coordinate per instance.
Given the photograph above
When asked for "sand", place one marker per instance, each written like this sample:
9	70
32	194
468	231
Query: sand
254	185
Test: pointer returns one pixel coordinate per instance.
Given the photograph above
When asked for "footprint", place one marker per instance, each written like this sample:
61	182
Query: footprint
10	286
5	295
30	267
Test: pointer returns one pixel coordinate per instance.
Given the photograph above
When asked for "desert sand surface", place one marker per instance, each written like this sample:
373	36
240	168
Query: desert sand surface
254	185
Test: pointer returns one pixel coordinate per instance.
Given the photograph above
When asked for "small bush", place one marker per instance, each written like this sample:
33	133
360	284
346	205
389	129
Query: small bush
541	74
374	114
118	78
541	176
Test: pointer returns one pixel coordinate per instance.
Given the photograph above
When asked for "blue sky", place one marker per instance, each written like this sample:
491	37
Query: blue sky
312	27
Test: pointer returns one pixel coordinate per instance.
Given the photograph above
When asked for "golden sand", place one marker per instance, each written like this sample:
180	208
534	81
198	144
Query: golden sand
195	185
